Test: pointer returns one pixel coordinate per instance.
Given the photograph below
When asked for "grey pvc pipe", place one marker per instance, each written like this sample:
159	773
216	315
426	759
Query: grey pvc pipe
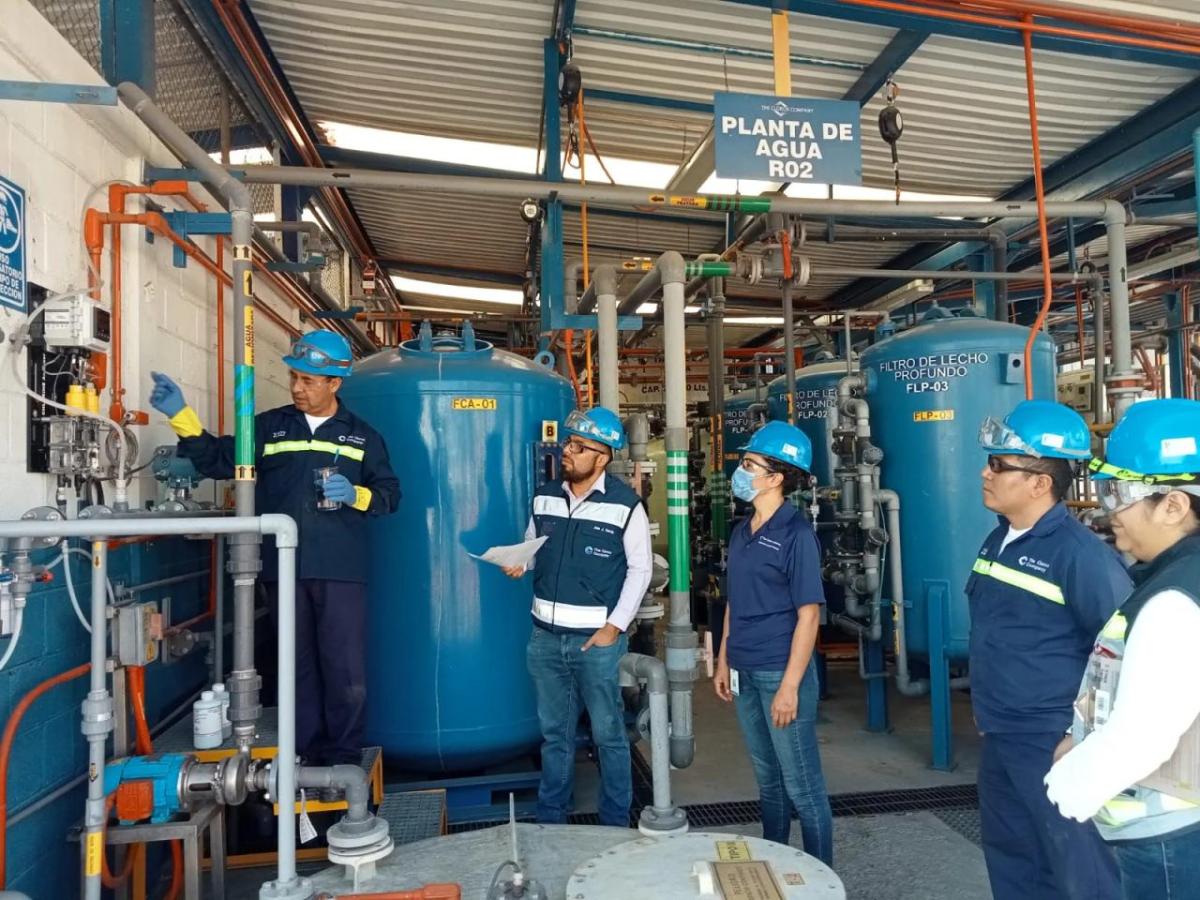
219	615
1118	294
350	779
999	240
97	714
244	682
306	227
664	815
608	338
519	188
862	234
129	590
716	352
572	302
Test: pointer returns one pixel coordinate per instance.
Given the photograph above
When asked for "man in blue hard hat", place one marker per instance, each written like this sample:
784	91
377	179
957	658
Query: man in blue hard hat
316	431
589	578
1042	588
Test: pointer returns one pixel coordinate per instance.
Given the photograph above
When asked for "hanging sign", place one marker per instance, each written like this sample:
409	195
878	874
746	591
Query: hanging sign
12	245
768	138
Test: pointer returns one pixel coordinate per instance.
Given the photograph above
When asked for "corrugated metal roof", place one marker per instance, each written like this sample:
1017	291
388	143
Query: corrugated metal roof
468	69
966	114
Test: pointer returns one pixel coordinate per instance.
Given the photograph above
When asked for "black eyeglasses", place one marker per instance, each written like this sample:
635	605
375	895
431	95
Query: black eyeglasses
578	447
999	467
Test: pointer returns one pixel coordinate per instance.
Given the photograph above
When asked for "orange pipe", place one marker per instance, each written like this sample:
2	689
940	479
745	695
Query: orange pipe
1135	24
1027	27
429	892
6	742
1043	229
116	410
220	339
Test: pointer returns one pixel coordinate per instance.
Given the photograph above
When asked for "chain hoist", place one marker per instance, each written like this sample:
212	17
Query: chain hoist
891	127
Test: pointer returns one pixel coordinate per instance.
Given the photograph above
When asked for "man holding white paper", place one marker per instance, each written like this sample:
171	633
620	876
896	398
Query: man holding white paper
589	579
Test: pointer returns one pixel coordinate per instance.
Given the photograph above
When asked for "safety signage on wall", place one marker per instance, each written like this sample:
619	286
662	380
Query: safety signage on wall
769	138
12	245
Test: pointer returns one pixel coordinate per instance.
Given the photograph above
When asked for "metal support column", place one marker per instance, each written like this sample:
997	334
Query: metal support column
875	666
127	42
984	291
552	225
1177	343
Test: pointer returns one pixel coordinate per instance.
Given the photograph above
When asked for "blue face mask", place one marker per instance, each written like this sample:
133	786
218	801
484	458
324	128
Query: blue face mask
743	485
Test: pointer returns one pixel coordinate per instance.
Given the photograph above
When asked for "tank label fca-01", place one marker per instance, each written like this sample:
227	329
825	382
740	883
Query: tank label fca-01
473	403
921	374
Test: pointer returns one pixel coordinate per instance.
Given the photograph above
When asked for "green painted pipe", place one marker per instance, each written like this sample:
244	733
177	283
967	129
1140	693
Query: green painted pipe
707	269
678	539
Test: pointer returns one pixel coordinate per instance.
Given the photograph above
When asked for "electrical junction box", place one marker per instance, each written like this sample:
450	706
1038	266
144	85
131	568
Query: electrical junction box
77	322
1077	390
138	631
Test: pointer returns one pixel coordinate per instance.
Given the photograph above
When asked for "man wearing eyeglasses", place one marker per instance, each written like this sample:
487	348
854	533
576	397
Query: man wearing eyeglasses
1040	591
589	578
316	432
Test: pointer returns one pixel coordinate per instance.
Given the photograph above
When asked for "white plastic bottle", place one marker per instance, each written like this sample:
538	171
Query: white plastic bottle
206	722
223	695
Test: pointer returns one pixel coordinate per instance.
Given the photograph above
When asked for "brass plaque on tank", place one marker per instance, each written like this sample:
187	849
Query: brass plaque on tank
750	880
933	415
473	403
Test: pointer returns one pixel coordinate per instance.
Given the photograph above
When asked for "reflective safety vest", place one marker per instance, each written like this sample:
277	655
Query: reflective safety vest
1045	589
1165	802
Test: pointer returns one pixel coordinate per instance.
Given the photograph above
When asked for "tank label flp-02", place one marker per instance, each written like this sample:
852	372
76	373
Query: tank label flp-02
932	373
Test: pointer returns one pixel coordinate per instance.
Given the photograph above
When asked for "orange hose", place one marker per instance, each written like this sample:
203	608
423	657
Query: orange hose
220	338
6	742
583	226
1043	229
106	876
568	339
1027	27
116	409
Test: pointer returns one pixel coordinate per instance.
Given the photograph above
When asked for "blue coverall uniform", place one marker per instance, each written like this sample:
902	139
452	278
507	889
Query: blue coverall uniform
1036	608
331	597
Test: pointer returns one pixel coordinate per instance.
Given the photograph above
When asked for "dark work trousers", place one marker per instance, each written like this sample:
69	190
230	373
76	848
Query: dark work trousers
1032	851
331	679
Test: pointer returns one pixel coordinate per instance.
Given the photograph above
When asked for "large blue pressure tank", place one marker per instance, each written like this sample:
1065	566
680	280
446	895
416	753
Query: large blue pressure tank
743	412
471	433
816	394
929	389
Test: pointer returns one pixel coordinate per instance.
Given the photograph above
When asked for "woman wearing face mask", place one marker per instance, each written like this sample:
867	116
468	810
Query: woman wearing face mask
766	661
1133	759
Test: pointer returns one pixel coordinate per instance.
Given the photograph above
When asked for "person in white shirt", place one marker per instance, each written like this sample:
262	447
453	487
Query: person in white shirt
1132	759
589	578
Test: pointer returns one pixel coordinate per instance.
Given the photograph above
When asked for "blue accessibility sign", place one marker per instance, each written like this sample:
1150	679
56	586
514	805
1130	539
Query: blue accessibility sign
769	138
12	245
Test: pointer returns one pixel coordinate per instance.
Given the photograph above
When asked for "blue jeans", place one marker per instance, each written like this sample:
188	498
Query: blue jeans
1160	870
1032	852
787	764
569	680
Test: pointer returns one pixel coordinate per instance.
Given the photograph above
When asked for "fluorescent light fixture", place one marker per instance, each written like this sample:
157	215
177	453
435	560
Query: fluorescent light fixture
510	296
753	320
647	309
902	296
247	156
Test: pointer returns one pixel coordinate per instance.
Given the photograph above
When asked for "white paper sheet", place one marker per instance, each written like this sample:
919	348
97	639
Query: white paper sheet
509	555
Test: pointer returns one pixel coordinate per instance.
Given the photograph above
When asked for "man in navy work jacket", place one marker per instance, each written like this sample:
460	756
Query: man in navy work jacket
291	442
1041	590
588	582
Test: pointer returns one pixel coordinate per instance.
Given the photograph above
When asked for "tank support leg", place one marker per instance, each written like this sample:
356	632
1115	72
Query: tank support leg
877	688
937	596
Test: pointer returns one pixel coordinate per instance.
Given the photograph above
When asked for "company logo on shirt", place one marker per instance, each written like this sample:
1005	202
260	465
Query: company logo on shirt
1028	562
351	439
770	544
278	434
599	552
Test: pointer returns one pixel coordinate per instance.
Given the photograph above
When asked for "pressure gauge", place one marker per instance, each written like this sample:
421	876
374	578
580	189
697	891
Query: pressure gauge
530	210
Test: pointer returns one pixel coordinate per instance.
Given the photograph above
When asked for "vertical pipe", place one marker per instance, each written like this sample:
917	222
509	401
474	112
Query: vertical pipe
1000	264
244	682
789	350
97	724
219	614
681	639
1122	381
1100	398
285	773
1196	172
226	147
608	337
717	490
781	52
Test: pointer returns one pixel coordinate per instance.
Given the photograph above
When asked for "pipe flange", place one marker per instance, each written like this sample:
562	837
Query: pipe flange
43	514
353	838
801	270
671	821
297	889
96	512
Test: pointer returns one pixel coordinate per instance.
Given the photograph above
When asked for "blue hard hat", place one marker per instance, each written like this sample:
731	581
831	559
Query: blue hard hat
321	353
784	442
1154	438
597	424
1038	428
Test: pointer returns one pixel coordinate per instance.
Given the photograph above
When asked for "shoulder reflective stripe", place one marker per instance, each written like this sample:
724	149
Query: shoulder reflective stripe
610	513
274	449
569	615
1115	628
550	506
1047	590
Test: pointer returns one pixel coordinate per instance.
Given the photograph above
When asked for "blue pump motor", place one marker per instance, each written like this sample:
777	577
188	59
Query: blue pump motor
165	771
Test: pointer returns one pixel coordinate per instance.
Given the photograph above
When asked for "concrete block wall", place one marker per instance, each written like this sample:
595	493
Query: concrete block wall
63	156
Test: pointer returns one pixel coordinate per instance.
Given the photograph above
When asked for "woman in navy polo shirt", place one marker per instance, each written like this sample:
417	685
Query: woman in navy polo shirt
766	663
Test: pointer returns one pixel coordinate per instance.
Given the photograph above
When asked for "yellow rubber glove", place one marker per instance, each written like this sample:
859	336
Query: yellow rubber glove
186	423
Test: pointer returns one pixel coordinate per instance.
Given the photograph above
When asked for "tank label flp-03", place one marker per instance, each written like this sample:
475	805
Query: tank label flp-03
932	373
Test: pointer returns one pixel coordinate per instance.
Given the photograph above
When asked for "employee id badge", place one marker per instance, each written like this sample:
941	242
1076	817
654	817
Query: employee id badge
734	683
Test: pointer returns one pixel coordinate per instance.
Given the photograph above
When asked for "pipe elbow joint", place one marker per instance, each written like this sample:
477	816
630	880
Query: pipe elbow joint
672	267
683	751
287	533
1115	213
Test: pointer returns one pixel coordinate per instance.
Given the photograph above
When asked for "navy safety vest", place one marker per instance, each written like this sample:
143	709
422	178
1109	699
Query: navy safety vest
1143	812
578	573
